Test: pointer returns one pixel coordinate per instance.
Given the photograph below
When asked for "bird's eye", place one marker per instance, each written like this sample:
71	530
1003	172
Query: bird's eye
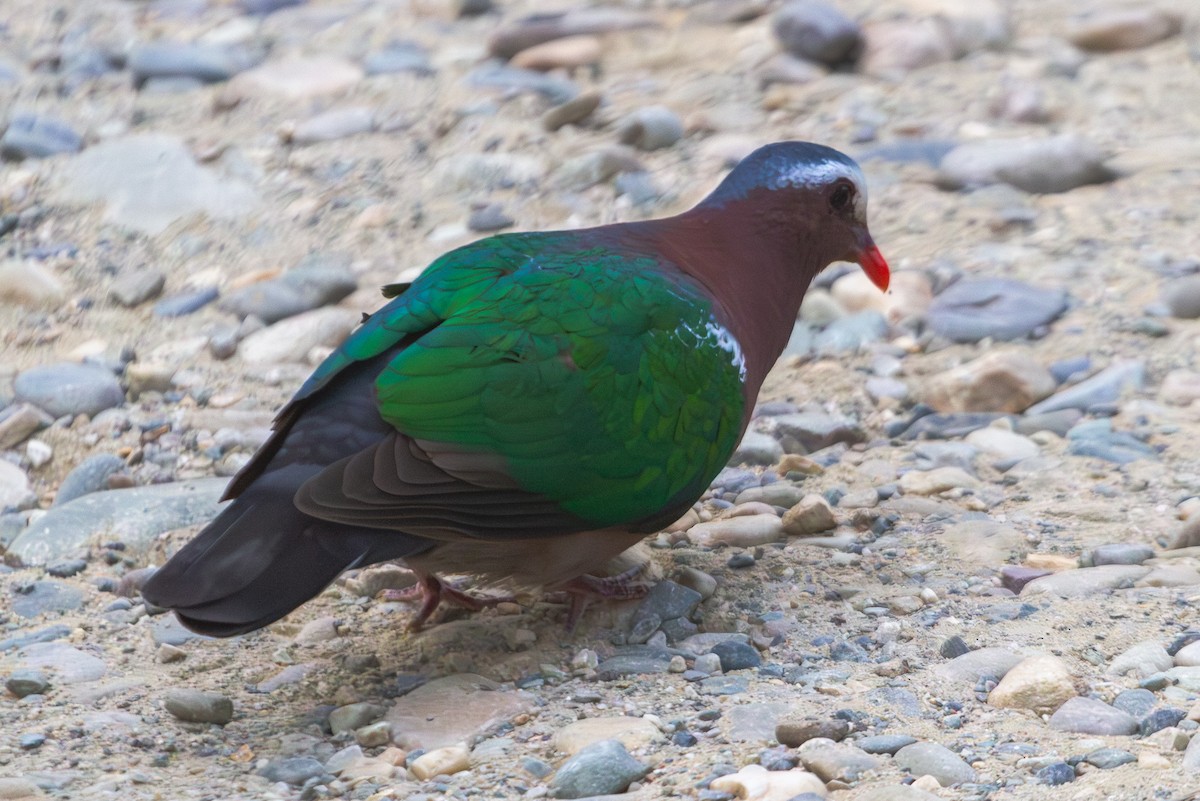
841	197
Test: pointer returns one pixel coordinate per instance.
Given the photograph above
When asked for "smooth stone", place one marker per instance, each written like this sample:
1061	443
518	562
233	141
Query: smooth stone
1105	386
1000	381
1039	165
631	732
399	57
667	601
1002	444
1096	438
68	389
852	333
453	709
600	768
1111	29
568	53
1085	581
319	280
26	681
19	787
884	743
35	136
793	733
896	47
937	480
813	431
736	656
836	761
742	532
445	761
1041	683
1001	308
198	706
40	597
354	716
723	685
496	75
1136	703
90	475
295	79
1055	773
48	634
1121	553
1187	656
1191	756
137	286
812	515
1090	716
296	771
27	283
291	339
489	218
572	111
186	302
813	30
758	449
632	664
148	181
938	761
205	63
1160	719
1180	387
756	782
329	126
1014	577
15	490
650	128
65	664
1109	758
489	171
135	516
510	39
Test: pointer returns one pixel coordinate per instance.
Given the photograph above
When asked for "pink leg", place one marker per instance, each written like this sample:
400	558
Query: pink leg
432	591
584	589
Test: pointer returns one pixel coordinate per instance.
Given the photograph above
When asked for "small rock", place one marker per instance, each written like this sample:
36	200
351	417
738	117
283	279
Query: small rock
290	340
294	79
295	771
444	761
90	475
1109	758
198	706
650	128
35	136
999	308
573	111
1123	28
203	63
1160	719
836	761
25	682
1085	581
601	768
332	125
67	389
1056	773
567	53
1000	381
1091	716
793	732
354	716
1106	386
756	782
1122	553
489	218
938	761
884	743
813	30
736	656
1039	683
757	448
631	732
137	286
1042	165
399	57
897	47
932	482
1182	299
812	515
742	532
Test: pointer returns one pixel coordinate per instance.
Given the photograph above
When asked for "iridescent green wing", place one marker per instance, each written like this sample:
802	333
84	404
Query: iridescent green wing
600	379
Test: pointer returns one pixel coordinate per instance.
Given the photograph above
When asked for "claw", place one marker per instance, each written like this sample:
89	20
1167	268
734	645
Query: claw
432	592
586	588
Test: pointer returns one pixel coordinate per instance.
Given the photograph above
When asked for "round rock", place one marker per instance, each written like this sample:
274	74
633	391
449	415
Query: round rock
67	389
198	706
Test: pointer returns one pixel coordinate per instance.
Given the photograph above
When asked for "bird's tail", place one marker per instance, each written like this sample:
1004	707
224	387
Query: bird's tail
261	558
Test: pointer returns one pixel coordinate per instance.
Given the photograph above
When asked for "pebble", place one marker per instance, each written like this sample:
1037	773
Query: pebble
90	475
1136	703
18	787
141	513
650	128
420	720
1007	380
572	111
758	449
1097	439
1106	386
34	136
883	743
631	732
1002	444
1109	758
67	389
134	287
39	597
319	280
813	30
1038	165
667	601
291	339
27	682
897	47
66	664
1182	299
813	431
147	181
202	63
812	515
1130	28
1121	553
1056	773
198	706
1085	581
329	126
741	532
1040	683
293	79
932	482
836	761
756	782
736	656
795	732
851	334
1179	387
697	580
295	771
600	768
1160	719
508	40
567	53
399	57
1000	308
1084	715
15	490
938	761
186	303
445	761
511	80
354	716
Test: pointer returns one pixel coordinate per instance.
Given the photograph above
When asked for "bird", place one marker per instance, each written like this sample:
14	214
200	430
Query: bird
531	405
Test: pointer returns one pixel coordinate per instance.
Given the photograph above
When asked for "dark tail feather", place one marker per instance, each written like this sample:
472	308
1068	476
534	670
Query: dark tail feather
261	558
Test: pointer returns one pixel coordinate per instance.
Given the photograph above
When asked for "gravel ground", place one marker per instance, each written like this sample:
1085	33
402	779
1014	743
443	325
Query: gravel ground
956	557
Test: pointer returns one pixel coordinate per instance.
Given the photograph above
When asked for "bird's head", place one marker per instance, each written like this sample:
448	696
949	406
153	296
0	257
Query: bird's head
823	188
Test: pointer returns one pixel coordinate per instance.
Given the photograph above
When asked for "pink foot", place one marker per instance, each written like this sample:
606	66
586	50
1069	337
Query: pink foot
585	589
432	592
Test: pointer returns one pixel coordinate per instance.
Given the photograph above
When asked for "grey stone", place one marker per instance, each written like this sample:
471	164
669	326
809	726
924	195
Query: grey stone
816	31
495	75
39	597
1000	308
794	733
489	218
198	706
34	136
185	303
26	681
66	665
1056	773
1041	165
399	57
68	389
20	421
836	761
1135	703
884	743
1097	439
757	448
354	716
781	493
812	431
1191	756
851	333
90	475
148	181
202	63
1122	553
736	655
134	516
1085	581
533	30
632	664
317	281
1160	719
1059	421
329	126
666	601
48	634
1084	715
1109	758
937	761
135	287
601	768
295	771
650	128
1104	387
723	685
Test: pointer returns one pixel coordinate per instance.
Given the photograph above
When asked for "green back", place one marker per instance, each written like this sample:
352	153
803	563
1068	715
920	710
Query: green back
600	378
